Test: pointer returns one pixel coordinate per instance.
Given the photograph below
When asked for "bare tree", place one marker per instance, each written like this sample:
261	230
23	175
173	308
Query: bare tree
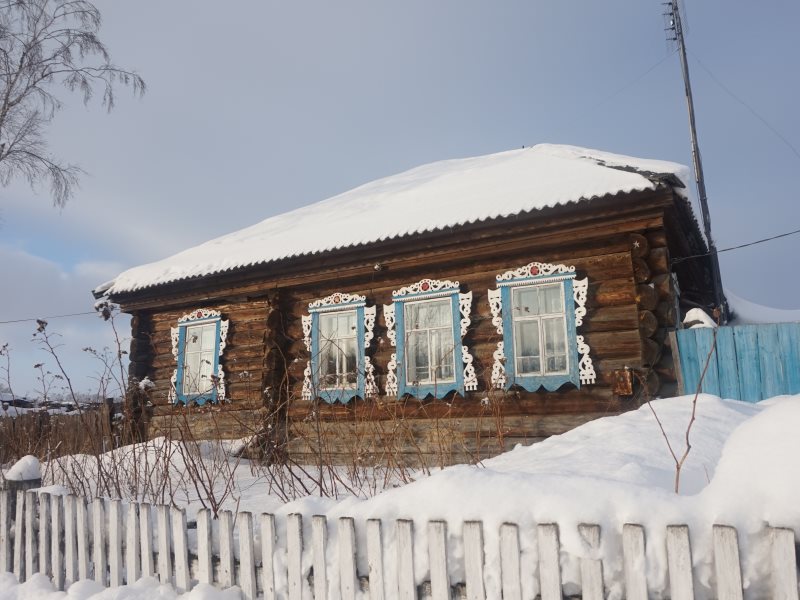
45	44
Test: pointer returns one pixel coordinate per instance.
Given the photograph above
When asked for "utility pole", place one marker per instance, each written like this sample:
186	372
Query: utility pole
675	26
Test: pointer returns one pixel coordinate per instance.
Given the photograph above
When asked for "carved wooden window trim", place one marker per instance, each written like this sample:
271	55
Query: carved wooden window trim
461	306
580	366
200	316
365	386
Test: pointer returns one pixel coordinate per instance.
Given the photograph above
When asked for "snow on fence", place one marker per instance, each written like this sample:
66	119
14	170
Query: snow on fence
58	536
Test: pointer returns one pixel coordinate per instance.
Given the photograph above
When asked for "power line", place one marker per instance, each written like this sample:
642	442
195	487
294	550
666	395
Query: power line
752	110
45	318
769	239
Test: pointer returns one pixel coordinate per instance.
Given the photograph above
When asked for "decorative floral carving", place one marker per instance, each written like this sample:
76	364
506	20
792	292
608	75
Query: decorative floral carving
498	368
175	334
370	387
306	321
369	324
200	313
223	336
308	388
496	306
465	306
391	376
388	316
580	289
335	300
426	286
535	269
585	366
173	387
470	378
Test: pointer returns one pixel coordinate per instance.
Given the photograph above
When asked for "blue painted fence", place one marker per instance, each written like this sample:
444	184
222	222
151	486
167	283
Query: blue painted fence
750	362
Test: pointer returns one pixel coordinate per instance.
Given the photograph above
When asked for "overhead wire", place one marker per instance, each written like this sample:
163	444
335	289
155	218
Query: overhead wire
761	241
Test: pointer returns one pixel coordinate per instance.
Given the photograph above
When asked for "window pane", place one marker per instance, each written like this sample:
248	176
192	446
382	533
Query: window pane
348	364
526	346
193	339
551	296
417	357
443	353
426	314
209	332
338	349
327	364
526	302
555	345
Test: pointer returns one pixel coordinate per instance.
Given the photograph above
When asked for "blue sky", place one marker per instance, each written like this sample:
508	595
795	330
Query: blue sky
267	106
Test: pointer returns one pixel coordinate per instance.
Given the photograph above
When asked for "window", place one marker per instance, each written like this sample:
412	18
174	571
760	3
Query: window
426	323
197	344
337	332
534	310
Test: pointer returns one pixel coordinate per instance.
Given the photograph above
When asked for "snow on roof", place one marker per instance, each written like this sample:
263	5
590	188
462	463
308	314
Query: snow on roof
427	198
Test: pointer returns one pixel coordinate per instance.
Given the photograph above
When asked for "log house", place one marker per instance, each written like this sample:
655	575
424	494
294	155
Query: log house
543	302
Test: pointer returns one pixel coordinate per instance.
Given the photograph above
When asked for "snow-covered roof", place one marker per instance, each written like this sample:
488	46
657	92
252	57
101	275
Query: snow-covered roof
424	199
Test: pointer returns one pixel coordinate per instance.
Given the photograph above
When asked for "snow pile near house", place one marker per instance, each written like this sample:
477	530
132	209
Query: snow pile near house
745	312
427	198
610	472
26	468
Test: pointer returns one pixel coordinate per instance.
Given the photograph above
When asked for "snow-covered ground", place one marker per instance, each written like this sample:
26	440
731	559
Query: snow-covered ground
742	470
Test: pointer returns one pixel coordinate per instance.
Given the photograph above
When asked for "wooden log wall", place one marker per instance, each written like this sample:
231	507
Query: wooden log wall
631	303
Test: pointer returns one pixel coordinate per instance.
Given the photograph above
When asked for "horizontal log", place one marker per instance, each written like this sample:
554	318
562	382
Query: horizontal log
648	323
646	296
657	238
666	313
651	352
641	272
664	286
658	261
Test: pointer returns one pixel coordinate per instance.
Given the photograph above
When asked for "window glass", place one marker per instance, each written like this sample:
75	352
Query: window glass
429	341
338	349
198	358
539	324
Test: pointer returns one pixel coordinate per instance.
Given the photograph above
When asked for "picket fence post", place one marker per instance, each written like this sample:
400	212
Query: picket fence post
82	530
472	533
247	564
31	551
5	531
19	537
180	541
44	534
406	586
509	562
726	563
98	542
784	564
146	539
70	542
294	553
377	584
267	552
133	558
227	567
115	543
319	543
591	567
56	539
635	562
205	565
348	578
164	544
679	563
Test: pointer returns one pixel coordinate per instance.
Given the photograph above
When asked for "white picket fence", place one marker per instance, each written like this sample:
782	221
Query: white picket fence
68	539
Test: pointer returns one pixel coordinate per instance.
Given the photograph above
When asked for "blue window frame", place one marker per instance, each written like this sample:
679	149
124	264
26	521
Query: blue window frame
542	350
534	308
338	330
426	323
197	344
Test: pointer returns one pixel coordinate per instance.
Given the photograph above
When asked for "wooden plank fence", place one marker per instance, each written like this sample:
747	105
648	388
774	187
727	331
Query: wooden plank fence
748	362
50	535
